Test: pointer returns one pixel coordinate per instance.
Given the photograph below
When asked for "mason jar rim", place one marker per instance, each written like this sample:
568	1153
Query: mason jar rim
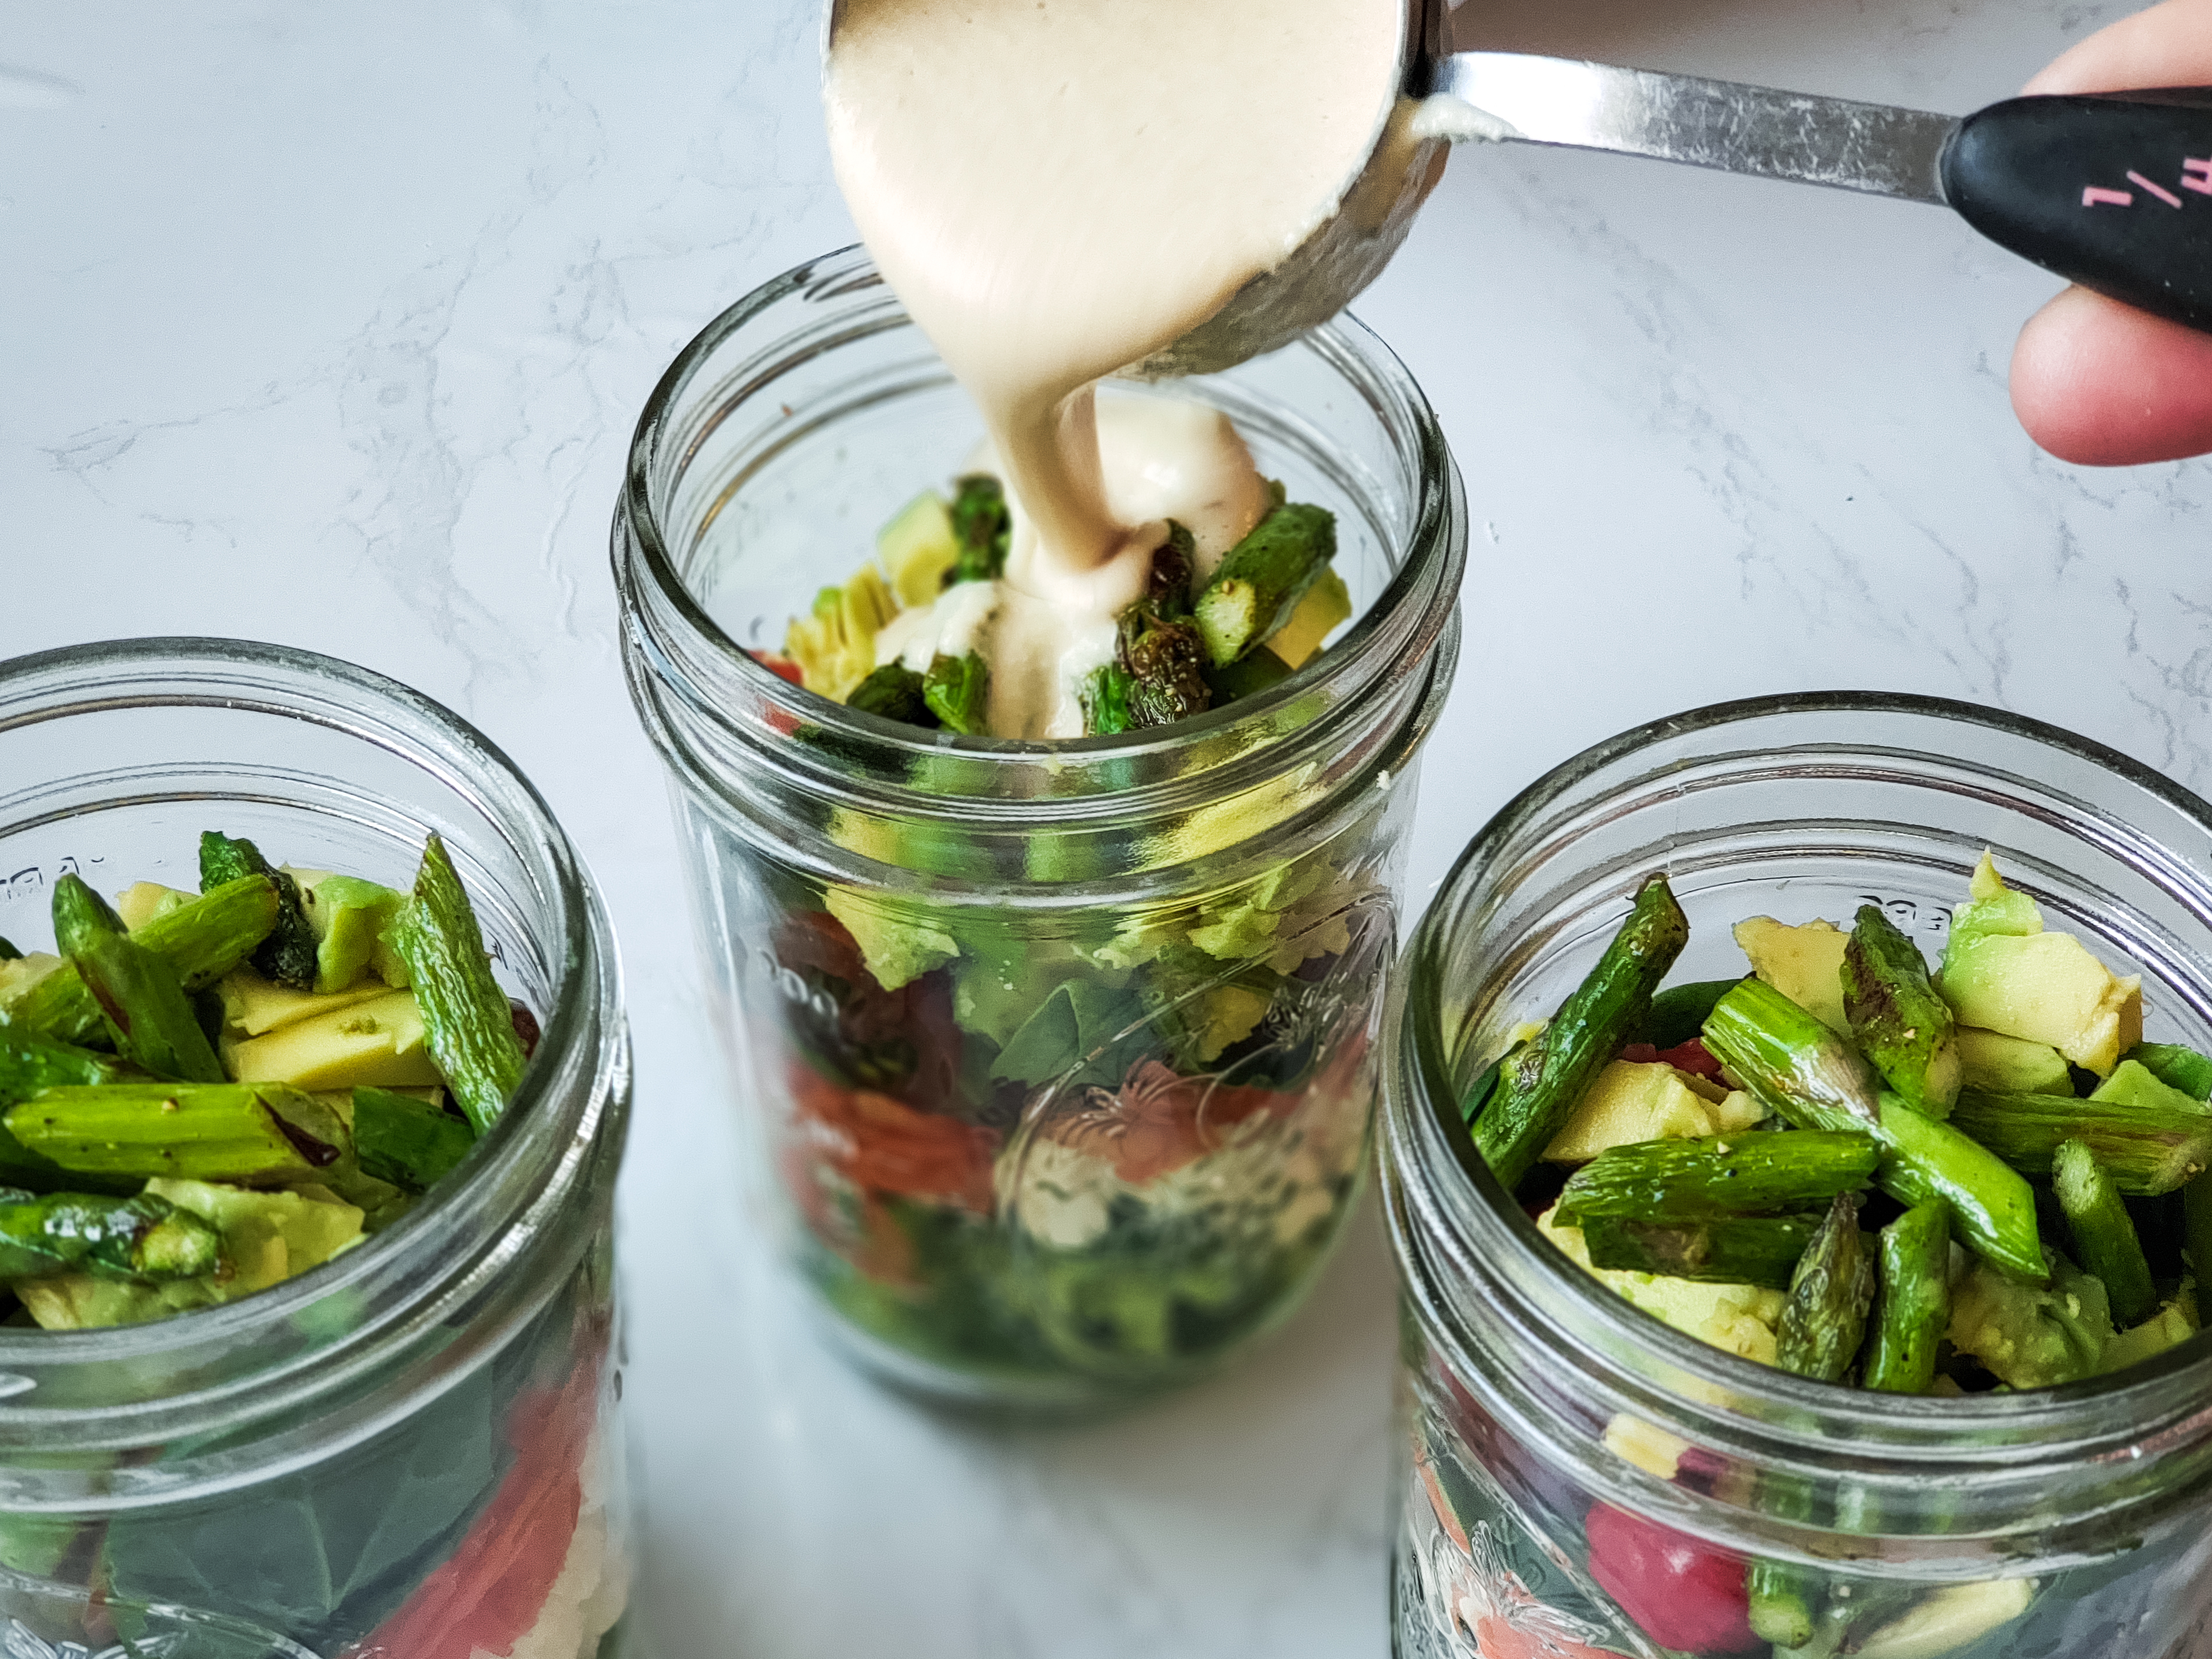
1453	1185
247	676
1381	631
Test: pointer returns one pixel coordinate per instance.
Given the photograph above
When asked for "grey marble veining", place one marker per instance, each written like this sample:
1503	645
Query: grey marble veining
329	325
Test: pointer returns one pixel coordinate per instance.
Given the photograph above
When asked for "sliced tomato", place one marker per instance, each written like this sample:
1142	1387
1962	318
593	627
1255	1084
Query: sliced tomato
1692	1056
493	1588
782	667
884	1146
526	1029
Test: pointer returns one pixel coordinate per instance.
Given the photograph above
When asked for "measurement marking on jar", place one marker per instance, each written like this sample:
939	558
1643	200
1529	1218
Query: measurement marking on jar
1910	915
33	880
794	989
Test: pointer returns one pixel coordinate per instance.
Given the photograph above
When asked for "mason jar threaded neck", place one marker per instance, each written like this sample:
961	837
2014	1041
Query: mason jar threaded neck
772	375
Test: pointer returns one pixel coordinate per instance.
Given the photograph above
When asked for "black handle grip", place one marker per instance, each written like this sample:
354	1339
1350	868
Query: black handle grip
2112	192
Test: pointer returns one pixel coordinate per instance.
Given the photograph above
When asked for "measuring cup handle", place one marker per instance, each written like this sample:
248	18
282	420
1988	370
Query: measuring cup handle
2112	191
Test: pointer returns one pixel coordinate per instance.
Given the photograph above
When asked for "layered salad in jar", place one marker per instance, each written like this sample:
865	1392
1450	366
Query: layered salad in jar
1945	1179
204	1095
1104	1144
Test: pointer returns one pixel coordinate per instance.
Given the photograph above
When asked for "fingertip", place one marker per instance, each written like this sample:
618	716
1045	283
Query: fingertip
2168	45
2100	384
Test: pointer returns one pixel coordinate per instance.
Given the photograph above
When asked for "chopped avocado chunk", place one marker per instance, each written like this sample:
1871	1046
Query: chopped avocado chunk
2047	987
894	950
919	548
352	919
270	1235
78	1302
1990	1059
256	1006
141	901
2176	1065
1805	963
35	1544
2133	1084
836	645
2003	972
1630	1101
1327	604
2170	1326
1992	910
19	974
378	1042
1740	1318
2032	1337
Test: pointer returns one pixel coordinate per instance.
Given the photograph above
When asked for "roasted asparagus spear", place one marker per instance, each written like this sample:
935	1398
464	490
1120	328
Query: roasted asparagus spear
1533	1100
1261	581
1897	1019
467	1024
1802	1071
1912	1301
1726	1175
2105	1238
289	955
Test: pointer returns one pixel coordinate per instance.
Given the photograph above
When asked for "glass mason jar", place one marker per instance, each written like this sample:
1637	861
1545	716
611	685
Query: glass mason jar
1059	1055
411	1451
1577	1478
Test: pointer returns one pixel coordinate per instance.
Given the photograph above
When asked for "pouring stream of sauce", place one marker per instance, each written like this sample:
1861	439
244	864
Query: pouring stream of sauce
1057	188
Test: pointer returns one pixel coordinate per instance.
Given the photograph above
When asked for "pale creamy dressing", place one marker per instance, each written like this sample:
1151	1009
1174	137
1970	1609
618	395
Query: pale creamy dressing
1162	458
1056	189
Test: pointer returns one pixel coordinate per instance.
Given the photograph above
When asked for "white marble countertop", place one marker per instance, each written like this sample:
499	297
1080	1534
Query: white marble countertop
328	325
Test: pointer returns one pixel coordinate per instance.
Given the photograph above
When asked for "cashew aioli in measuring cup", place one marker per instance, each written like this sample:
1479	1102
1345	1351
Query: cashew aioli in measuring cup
1056	189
